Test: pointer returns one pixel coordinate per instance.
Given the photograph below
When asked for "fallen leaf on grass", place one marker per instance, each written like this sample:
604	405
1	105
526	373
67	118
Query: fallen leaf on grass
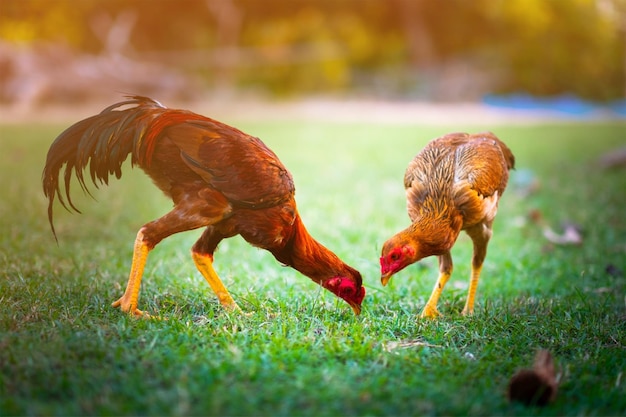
613	159
600	290
201	320
394	345
613	271
536	386
571	235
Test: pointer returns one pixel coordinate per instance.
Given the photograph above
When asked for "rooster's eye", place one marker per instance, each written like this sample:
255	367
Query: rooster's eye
349	292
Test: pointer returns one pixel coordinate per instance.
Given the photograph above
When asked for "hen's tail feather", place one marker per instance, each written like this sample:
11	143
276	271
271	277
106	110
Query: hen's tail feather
103	142
508	155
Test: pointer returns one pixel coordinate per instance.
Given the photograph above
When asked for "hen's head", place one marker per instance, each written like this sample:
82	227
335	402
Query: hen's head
426	236
396	255
349	288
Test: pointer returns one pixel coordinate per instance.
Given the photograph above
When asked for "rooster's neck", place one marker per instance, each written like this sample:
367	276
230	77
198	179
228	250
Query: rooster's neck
306	255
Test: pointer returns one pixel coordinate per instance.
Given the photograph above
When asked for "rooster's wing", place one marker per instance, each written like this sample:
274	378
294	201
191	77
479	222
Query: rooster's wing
239	166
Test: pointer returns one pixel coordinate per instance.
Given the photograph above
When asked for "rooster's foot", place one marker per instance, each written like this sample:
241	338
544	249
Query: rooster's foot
125	306
467	311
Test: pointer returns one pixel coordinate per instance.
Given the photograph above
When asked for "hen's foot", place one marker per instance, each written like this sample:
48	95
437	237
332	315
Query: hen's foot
430	312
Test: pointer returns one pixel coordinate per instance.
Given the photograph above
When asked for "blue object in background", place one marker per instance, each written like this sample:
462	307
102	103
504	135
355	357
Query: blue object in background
566	104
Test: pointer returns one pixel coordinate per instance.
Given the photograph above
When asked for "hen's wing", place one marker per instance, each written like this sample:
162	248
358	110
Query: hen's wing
469	170
240	166
430	175
481	174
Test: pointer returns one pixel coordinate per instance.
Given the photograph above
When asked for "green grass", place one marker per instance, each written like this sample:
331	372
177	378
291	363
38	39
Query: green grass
299	351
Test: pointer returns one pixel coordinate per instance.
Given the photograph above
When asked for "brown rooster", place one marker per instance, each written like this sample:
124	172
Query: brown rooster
218	178
453	184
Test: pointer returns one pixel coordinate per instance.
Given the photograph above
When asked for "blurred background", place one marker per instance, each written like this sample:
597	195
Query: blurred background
563	54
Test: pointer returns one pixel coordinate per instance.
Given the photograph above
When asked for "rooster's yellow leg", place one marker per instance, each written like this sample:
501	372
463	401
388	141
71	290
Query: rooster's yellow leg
128	302
445	270
204	263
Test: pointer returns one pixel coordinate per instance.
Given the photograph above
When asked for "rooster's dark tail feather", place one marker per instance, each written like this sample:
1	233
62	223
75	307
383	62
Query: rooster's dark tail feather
103	142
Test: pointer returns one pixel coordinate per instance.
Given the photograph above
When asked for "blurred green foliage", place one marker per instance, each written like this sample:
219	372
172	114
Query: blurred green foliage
538	46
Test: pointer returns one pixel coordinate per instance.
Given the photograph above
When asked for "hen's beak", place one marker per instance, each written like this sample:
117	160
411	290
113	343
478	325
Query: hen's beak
384	279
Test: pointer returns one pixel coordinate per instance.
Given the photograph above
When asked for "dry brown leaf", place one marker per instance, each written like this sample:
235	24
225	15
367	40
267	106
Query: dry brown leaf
613	159
536	386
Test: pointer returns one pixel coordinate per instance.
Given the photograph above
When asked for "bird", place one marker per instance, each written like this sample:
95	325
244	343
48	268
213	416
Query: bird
453	184
536	386
219	179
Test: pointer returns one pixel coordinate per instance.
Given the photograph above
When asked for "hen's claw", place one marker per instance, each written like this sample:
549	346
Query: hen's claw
430	312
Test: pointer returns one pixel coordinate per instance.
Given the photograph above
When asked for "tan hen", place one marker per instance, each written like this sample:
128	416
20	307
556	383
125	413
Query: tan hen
453	184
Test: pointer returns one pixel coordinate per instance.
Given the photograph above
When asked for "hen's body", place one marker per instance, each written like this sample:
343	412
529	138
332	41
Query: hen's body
217	176
453	184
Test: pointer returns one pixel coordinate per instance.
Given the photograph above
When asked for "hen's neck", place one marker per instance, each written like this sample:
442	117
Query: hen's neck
435	233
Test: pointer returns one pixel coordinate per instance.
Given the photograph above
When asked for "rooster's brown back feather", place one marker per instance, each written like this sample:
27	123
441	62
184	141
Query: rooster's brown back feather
135	127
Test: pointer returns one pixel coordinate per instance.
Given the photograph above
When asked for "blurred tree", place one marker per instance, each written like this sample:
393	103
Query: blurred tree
557	46
228	19
413	15
538	46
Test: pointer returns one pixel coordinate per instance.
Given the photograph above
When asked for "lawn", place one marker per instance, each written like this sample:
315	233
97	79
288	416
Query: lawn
298	350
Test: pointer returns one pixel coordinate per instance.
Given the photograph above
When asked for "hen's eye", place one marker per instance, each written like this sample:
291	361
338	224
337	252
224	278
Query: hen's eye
394	256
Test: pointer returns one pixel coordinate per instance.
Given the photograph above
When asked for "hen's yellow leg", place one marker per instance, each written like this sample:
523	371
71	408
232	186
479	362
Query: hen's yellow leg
445	270
204	263
128	302
471	295
480	235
